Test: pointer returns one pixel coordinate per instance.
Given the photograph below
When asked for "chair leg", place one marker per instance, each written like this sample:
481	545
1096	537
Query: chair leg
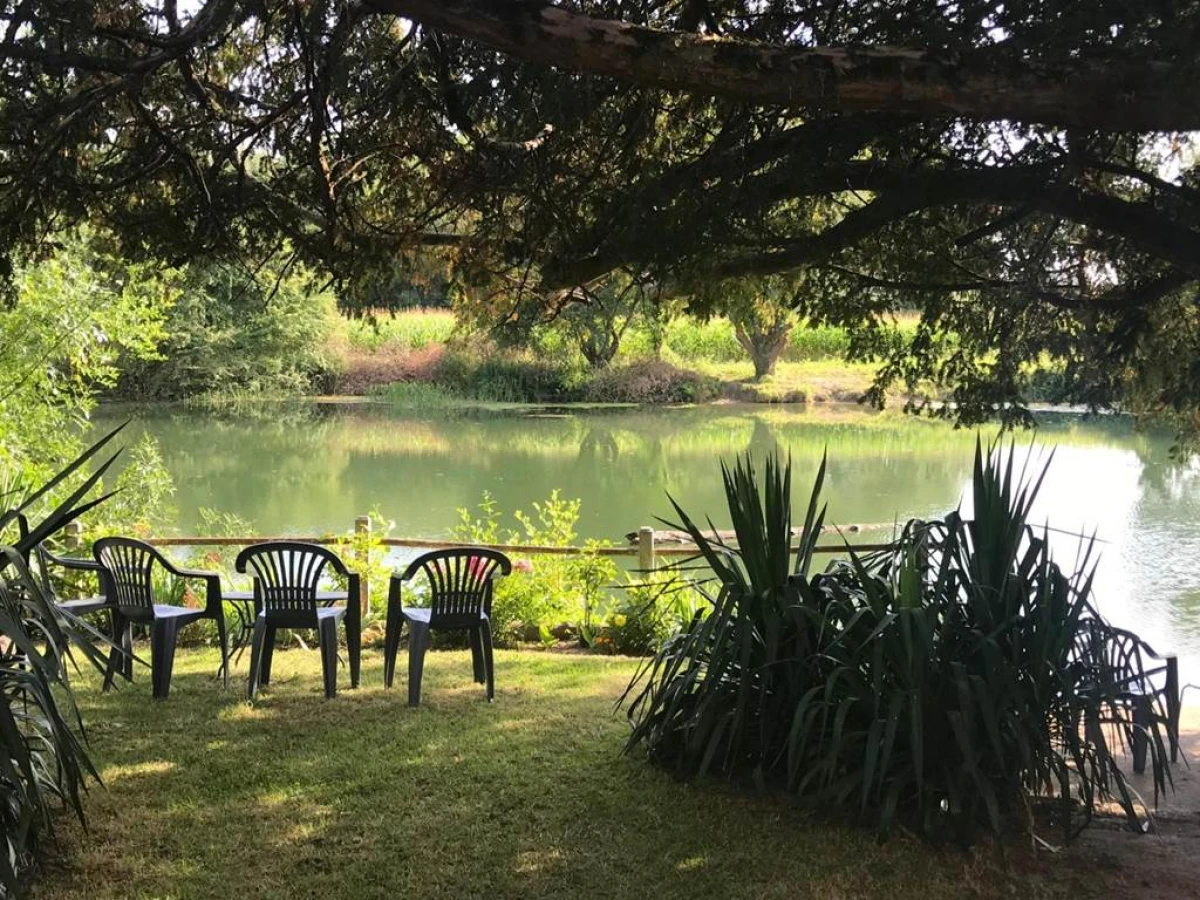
477	662
1142	716
391	644
127	654
223	640
418	642
256	656
353	650
116	655
268	655
489	663
1173	706
163	634
327	641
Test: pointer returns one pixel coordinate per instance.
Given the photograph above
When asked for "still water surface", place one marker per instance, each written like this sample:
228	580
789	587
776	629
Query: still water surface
312	468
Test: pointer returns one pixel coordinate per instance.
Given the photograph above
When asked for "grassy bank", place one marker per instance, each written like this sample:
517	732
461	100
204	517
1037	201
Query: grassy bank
421	358
207	797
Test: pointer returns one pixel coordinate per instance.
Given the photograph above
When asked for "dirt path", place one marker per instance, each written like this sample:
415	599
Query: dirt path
1109	861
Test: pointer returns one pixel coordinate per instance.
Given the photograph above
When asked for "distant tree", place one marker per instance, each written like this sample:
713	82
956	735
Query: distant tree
762	312
598	317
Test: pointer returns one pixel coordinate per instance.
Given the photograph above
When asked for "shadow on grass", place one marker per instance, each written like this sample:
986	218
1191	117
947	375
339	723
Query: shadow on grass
530	796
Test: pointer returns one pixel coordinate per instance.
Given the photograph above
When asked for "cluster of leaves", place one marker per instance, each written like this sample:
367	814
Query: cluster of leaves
937	685
78	313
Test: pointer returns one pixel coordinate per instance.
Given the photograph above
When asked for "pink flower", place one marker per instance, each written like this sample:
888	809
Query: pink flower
522	565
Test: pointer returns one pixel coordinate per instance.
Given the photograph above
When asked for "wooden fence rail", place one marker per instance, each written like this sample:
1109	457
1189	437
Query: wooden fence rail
647	550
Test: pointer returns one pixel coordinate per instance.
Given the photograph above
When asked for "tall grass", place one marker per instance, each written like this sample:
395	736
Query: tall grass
413	329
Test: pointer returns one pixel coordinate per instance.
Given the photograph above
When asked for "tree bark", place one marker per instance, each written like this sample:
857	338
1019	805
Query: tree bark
1118	95
764	345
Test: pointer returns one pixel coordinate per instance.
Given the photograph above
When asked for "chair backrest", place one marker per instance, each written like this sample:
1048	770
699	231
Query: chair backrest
1117	660
287	574
126	569
460	582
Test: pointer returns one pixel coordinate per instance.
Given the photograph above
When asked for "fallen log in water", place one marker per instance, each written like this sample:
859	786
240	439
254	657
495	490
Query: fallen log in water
728	535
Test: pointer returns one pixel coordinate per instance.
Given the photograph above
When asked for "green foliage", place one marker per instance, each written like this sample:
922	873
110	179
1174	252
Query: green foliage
550	590
650	381
653	609
365	554
43	759
507	376
77	313
421	395
234	331
937	684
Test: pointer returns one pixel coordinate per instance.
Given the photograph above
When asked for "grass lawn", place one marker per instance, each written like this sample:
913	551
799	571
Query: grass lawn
360	797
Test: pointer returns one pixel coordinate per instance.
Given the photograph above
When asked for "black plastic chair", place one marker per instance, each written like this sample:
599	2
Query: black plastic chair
287	594
47	561
1152	679
77	606
126	570
460	599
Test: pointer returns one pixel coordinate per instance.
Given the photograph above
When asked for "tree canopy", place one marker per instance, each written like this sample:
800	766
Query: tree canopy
1023	172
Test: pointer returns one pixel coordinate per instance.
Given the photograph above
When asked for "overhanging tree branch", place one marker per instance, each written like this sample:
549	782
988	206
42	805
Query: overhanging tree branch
986	84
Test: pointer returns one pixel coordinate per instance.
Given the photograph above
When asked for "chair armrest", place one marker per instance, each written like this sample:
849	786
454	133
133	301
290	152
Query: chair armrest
186	573
212	583
76	565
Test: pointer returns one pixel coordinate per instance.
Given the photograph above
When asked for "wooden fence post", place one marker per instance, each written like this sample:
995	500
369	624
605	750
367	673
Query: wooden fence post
645	547
73	535
362	531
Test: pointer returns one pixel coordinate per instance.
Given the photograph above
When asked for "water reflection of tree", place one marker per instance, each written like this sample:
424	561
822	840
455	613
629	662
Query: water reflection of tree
615	461
763	440
598	446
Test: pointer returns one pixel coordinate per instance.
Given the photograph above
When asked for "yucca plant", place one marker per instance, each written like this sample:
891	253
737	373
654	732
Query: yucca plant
943	683
43	759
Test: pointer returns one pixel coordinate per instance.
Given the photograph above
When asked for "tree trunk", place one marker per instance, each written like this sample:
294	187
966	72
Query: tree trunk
1122	95
764	346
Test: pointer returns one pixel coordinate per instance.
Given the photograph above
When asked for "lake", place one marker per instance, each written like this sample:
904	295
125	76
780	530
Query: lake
309	468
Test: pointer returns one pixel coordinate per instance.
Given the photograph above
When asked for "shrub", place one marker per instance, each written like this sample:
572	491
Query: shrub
506	376
939	683
551	590
652	611
233	331
651	381
421	395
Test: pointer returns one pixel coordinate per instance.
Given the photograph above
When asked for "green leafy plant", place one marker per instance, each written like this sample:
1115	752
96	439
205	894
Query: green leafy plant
43	758
944	683
542	596
366	554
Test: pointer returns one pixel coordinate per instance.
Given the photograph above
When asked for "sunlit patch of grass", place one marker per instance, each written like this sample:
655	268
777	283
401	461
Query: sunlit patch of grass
114	774
360	796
